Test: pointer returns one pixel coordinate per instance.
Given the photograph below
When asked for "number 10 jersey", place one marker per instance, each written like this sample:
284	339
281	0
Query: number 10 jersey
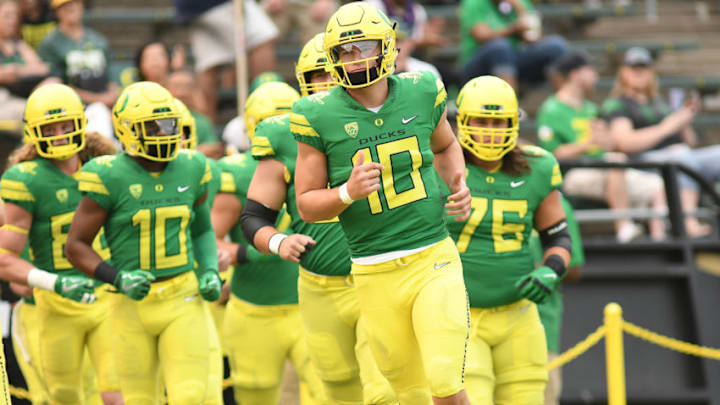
407	212
149	214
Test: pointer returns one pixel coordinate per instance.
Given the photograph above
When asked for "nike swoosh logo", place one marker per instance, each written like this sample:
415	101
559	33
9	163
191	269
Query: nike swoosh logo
441	265
133	285
525	308
182	189
517	184
553	276
406	120
190	298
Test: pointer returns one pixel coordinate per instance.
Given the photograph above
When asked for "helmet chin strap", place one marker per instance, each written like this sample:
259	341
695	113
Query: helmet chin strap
358	78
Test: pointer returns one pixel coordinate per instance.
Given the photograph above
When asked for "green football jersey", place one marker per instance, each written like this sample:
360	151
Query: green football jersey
268	283
551	310
214	184
330	255
559	124
148	214
407	211
493	242
51	197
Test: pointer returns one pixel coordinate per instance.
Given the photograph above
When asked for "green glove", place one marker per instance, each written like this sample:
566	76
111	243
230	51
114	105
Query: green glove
76	288
539	284
210	285
134	283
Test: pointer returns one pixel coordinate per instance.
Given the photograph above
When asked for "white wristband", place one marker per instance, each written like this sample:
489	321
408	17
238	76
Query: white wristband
41	279
275	241
344	195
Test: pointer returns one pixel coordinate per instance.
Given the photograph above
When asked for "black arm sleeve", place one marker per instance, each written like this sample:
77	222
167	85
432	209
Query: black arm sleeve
255	216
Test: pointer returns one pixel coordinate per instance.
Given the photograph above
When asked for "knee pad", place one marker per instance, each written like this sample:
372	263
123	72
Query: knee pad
65	395
344	392
444	377
187	393
524	392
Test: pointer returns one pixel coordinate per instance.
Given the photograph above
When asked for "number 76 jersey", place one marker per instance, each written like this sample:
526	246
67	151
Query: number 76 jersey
493	242
406	212
149	214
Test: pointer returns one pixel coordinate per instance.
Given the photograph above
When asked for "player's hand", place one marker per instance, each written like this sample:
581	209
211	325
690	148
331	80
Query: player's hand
210	285
539	284
21	290
224	259
76	288
134	283
294	246
460	199
364	179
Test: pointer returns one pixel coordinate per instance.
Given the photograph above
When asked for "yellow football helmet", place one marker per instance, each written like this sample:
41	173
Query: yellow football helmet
270	99
147	122
187	125
367	27
50	104
487	97
312	58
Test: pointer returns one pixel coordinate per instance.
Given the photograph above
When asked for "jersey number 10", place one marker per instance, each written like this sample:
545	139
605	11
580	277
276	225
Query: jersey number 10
143	219
385	152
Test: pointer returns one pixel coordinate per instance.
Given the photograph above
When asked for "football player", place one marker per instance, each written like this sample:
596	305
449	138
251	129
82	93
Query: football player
514	189
41	194
262	322
151	200
328	305
374	139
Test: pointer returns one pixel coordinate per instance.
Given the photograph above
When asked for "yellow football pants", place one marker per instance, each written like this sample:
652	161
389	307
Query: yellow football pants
507	354
26	345
66	330
167	333
258	339
416	317
337	343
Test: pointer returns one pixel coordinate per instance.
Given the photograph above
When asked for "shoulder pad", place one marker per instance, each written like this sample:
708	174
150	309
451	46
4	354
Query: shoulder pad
533	150
105	160
27	167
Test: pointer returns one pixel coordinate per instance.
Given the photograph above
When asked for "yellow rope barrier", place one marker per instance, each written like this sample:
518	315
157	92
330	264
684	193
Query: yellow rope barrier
19	393
670	343
575	351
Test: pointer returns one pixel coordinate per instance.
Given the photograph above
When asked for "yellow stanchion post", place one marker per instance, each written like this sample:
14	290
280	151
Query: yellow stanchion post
614	354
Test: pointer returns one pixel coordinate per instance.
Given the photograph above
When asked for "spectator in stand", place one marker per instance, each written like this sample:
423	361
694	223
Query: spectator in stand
504	38
645	127
569	127
152	61
181	84
212	37
20	67
38	21
80	56
309	16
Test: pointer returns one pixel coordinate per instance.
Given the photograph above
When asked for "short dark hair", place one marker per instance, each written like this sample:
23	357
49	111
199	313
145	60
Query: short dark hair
569	62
